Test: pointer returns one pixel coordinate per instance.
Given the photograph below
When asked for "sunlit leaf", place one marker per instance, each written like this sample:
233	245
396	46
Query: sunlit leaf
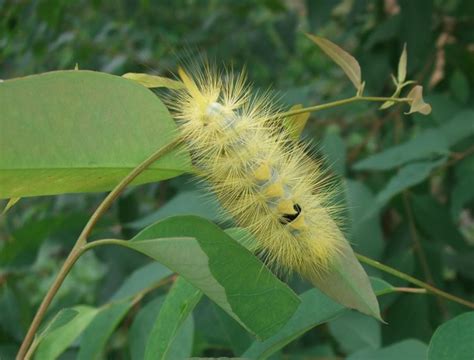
154	81
296	123
81	131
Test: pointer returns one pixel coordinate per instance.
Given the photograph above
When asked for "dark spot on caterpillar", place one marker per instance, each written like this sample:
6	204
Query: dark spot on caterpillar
288	218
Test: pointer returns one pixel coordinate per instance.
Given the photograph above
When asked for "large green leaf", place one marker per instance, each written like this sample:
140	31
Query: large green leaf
454	340
224	270
80	131
178	304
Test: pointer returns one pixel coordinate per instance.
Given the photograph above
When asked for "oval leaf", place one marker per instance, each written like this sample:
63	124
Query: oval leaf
224	270
402	65
80	131
453	340
346	61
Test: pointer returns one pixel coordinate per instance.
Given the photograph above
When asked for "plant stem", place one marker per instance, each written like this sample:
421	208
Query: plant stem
115	193
429	288
68	263
339	103
80	245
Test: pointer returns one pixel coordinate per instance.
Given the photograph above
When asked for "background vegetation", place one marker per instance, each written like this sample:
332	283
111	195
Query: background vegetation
416	172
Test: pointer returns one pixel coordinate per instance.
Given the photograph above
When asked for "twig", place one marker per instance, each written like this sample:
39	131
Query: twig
429	288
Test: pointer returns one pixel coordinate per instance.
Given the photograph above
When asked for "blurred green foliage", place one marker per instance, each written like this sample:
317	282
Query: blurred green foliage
409	206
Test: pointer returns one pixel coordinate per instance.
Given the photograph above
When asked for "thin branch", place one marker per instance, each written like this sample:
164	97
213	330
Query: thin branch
339	103
429	288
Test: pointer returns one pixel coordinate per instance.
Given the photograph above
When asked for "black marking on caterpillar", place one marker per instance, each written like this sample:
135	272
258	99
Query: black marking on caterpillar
288	218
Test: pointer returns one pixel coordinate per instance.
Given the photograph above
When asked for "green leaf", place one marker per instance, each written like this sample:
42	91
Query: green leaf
347	283
425	145
141	279
409	175
90	130
60	319
407	349
63	331
365	233
239	340
463	191
459	85
95	336
154	81
346	61
334	149
315	309
434	220
402	65
459	128
295	124
453	340
178	304
141	327
182	345
224	270
186	202
354	331
417	104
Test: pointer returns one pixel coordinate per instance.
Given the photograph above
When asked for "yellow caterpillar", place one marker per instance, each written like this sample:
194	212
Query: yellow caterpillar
265	180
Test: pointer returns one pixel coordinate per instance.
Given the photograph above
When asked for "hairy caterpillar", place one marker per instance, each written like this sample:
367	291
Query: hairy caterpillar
265	180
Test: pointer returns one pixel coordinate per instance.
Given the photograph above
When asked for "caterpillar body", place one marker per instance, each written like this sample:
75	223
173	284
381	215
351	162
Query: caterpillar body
266	181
